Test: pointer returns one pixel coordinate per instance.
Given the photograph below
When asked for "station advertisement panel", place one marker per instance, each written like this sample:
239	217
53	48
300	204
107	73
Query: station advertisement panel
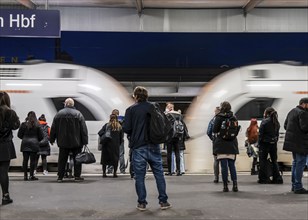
29	23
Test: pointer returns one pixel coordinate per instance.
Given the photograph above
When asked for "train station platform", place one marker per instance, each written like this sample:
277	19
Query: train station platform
192	197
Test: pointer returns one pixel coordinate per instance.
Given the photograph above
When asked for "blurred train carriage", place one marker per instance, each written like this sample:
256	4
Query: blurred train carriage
250	90
43	87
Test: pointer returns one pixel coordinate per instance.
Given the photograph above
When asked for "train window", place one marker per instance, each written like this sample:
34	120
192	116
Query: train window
67	73
10	72
87	114
254	108
259	74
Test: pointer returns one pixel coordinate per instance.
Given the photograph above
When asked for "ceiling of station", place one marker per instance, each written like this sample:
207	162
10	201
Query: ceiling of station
246	5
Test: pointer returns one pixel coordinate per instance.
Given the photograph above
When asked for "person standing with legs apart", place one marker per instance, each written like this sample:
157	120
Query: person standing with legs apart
268	138
225	144
296	141
70	130
8	121
31	134
144	152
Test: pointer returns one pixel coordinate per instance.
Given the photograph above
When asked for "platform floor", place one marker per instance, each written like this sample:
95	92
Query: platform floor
192	197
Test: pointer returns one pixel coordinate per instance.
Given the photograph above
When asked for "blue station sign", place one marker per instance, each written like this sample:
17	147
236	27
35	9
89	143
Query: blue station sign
29	23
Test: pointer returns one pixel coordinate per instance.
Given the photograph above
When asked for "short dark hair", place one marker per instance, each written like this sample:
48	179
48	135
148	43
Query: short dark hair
303	100
140	94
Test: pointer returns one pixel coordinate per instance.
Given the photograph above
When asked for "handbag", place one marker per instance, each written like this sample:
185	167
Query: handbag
106	136
85	156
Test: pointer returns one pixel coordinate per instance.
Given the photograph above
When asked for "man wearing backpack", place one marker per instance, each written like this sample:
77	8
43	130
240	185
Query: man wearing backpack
144	149
225	144
176	138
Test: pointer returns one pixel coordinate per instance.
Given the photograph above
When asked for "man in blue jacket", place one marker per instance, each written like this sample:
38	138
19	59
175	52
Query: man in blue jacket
296	141
70	131
143	151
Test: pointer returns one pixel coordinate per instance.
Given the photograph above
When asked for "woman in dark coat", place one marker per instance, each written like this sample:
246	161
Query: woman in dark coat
268	138
31	134
225	150
111	147
8	121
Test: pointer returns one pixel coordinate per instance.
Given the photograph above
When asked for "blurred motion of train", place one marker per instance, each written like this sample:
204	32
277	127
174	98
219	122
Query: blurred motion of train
43	87
250	90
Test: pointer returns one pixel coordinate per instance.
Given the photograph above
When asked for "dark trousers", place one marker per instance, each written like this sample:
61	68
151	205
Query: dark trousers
44	161
32	156
174	144
4	177
264	150
62	160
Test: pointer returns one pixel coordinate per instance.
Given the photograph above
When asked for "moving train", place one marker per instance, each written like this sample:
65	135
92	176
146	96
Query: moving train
249	90
43	87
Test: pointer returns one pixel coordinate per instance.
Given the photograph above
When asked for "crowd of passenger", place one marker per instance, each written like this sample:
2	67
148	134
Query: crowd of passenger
70	132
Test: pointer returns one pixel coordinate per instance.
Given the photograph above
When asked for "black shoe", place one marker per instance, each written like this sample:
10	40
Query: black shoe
104	175
216	181
115	176
165	205
225	189
141	206
301	191
79	179
6	199
33	178
168	174
178	174
59	180
234	188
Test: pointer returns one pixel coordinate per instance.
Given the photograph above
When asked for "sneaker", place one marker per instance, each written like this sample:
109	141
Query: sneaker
79	179
141	206
45	172
165	205
301	191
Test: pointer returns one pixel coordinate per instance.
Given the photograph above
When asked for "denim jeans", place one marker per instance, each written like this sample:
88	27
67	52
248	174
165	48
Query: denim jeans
182	164
148	154
298	166
225	163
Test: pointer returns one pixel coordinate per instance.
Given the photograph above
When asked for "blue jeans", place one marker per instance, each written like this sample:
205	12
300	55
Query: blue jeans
149	154
225	163
298	166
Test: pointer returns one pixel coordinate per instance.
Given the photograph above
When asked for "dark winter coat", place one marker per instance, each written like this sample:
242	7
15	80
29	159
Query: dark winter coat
69	129
296	125
221	146
111	148
44	144
11	122
267	132
30	137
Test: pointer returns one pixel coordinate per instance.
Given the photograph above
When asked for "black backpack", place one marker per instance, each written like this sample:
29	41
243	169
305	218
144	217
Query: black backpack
229	129
159	126
177	126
